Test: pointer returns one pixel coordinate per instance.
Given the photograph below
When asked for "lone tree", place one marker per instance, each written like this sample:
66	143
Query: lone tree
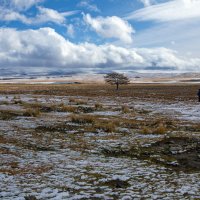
117	79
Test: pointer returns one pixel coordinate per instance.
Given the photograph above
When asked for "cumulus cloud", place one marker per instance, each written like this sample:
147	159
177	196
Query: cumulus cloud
168	11
111	27
44	15
89	5
44	48
10	15
19	4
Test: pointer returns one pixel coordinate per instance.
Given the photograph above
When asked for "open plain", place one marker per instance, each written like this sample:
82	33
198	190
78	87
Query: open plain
89	141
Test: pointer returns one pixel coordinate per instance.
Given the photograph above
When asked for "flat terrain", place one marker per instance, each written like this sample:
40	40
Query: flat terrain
172	92
87	141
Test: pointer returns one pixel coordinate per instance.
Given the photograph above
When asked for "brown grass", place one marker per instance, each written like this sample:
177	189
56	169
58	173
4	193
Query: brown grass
65	108
32	112
125	109
41	106
146	130
82	119
161	92
161	129
107	127
4	103
98	106
77	101
9	114
80	144
26	170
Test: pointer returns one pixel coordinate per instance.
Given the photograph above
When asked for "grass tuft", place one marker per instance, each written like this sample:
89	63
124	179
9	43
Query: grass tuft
98	106
32	112
105	126
65	108
125	109
161	129
83	119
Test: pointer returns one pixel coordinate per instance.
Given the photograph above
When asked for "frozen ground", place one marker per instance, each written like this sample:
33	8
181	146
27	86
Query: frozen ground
189	111
67	163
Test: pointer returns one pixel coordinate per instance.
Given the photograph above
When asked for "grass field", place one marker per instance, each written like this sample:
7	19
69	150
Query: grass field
181	92
89	141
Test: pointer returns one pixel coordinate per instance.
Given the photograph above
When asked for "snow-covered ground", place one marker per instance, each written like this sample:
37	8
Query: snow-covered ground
186	111
73	167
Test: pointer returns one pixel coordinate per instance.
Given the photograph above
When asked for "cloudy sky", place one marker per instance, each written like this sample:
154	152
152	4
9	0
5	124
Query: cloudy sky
98	36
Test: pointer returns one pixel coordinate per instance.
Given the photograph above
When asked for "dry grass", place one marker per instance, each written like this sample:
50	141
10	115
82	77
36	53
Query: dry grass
85	109
146	130
98	106
195	128
65	108
32	112
82	119
128	123
95	122
4	103
125	109
161	129
26	170
72	100
105	126
77	101
81	102
80	144
9	114
165	92
41	106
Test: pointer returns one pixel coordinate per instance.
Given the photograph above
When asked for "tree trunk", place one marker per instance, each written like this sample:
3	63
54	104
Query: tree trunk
117	84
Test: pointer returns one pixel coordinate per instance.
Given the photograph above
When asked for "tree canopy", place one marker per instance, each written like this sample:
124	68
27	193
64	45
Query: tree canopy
117	79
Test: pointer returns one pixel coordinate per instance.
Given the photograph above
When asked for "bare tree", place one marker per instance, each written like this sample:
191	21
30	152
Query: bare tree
116	79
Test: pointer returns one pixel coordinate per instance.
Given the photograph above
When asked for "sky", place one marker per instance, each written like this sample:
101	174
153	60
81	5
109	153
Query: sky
57	37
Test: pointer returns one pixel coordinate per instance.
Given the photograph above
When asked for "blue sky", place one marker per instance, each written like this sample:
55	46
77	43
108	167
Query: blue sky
97	36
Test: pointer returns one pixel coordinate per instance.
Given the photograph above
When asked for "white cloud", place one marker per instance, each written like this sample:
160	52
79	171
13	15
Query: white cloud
44	15
44	48
176	20
24	4
19	5
185	37
111	27
147	2
50	15
89	5
168	11
70	30
10	15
